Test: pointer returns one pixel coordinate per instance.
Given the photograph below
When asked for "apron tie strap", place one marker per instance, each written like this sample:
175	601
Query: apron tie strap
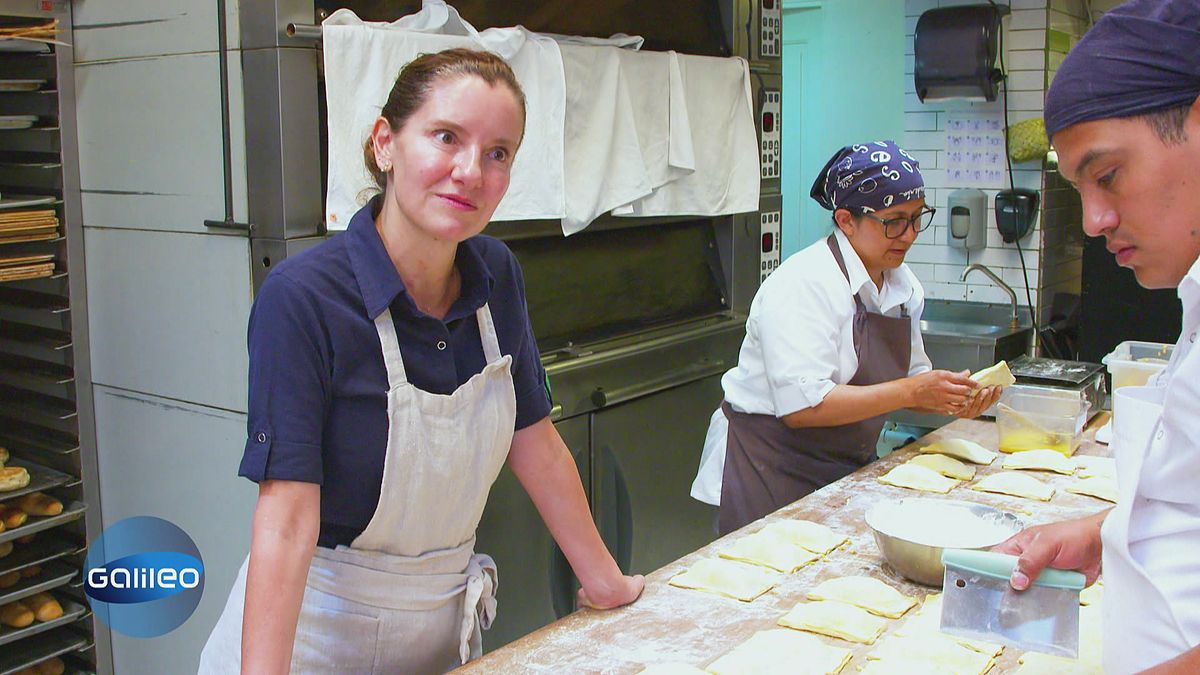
479	601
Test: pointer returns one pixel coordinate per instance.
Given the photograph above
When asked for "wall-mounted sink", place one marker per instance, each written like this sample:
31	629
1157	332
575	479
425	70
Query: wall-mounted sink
963	329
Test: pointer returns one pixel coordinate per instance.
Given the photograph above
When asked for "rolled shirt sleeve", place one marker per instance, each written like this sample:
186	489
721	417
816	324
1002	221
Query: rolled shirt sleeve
918	361
800	330
289	385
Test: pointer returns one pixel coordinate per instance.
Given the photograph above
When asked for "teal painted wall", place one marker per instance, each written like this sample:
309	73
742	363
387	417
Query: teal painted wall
843	82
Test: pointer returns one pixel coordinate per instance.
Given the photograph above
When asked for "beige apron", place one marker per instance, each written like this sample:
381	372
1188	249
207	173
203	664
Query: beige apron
409	595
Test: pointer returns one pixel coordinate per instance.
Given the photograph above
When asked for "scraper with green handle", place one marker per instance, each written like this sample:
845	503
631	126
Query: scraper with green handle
979	603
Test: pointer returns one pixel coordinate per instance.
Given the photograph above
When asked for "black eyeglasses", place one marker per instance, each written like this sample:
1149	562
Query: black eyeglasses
894	228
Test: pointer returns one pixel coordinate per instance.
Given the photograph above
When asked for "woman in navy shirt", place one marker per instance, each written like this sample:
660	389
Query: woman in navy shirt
393	371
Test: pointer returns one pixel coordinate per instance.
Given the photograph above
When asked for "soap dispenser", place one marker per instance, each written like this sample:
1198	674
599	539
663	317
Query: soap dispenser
968	219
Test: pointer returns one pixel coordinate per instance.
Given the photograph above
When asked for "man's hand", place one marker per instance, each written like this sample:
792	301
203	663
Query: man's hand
1069	545
981	400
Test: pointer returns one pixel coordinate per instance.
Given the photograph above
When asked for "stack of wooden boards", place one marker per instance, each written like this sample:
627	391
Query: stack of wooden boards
17	227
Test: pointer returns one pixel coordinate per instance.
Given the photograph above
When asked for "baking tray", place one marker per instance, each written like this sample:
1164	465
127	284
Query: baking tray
40	647
71	511
46	547
53	575
12	201
72	611
40	478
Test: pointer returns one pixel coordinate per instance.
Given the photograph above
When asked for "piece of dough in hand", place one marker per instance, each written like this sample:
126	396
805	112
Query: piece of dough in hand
867	592
994	376
916	477
1016	484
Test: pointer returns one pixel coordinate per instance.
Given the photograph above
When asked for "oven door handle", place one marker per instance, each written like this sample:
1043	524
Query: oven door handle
602	397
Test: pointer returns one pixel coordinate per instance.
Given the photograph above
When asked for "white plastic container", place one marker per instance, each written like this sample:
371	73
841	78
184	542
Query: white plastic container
1132	363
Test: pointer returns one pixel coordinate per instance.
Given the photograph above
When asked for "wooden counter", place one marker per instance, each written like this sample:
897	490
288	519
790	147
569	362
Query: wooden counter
675	624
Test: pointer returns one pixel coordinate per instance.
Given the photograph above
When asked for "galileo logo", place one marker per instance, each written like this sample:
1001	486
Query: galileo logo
144	576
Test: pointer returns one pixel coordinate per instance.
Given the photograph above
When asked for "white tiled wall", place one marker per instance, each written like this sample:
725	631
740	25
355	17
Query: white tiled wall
933	260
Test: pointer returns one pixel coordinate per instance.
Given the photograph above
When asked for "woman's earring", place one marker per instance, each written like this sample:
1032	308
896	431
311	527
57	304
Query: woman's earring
385	166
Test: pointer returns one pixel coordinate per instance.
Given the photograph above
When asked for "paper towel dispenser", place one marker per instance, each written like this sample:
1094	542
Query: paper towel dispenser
956	50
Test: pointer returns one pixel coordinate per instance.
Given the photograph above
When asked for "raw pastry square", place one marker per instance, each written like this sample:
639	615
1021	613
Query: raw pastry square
998	375
1096	486
1016	484
770	549
945	465
782	652
867	592
807	534
961	448
1041	460
928	619
726	577
916	477
1092	595
1091	466
835	619
907	665
940	651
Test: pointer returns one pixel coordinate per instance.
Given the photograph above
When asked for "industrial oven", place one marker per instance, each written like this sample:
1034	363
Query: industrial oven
636	318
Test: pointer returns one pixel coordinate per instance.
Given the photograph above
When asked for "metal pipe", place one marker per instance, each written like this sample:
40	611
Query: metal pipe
228	222
304	31
999	282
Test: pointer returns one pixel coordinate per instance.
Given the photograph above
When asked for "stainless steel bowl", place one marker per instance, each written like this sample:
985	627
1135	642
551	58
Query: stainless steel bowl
922	563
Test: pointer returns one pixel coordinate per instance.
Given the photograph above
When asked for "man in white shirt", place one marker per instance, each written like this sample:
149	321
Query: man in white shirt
1124	115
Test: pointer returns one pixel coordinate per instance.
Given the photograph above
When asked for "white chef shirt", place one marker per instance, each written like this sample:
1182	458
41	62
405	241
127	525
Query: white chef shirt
800	333
1164	521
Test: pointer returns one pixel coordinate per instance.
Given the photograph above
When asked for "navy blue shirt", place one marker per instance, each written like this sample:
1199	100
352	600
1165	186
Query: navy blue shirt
318	386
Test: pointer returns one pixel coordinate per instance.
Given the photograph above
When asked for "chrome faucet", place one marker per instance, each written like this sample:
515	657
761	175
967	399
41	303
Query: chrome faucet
999	282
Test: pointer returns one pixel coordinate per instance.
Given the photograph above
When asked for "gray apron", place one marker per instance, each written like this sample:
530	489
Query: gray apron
769	465
409	595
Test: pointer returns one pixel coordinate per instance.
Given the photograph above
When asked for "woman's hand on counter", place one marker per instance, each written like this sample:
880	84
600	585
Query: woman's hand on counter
940	391
980	401
626	590
1068	545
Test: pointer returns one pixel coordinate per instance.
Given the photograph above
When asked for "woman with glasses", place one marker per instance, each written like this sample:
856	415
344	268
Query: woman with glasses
833	344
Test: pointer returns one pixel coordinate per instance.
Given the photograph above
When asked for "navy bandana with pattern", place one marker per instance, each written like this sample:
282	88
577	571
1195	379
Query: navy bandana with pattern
868	177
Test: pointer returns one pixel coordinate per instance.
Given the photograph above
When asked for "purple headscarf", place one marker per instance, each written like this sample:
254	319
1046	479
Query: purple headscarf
1141	57
868	177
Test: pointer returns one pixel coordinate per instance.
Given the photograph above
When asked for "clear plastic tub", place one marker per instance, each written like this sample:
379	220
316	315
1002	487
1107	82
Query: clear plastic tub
1133	363
1033	421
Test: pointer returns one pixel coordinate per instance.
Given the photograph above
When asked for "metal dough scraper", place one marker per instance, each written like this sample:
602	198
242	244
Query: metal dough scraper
979	603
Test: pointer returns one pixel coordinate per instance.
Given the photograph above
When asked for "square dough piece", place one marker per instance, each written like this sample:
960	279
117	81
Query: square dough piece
928	619
935	649
728	578
1091	466
867	592
916	477
770	549
1033	663
835	619
1096	486
945	465
1016	484
961	448
1041	460
907	665
782	652
807	534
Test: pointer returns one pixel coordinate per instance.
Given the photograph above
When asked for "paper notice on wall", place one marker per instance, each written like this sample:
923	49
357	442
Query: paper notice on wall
975	151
